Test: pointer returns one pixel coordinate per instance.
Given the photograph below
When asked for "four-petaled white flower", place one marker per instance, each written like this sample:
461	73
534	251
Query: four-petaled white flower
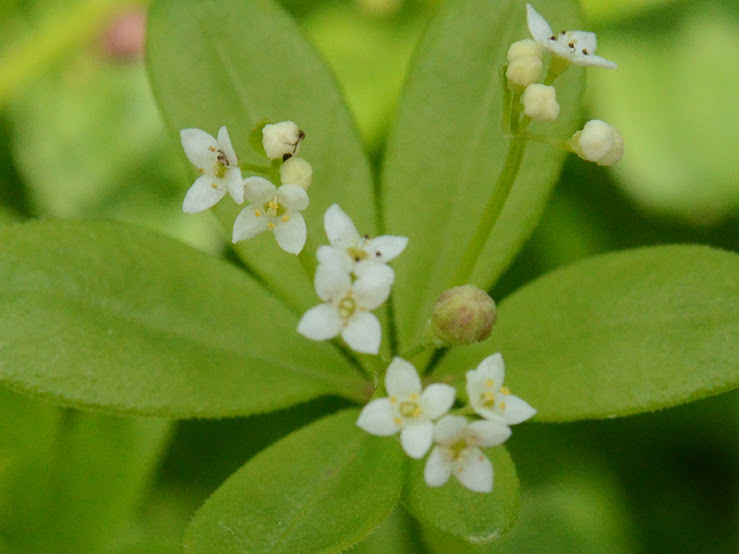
576	46
347	306
490	399
273	209
407	408
457	451
349	250
217	161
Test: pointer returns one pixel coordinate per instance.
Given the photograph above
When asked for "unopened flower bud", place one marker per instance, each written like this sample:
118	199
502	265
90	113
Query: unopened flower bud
281	140
296	171
540	102
461	315
598	142
526	48
523	71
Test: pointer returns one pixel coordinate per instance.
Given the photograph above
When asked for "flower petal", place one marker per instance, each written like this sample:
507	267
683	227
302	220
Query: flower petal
224	142
293	197
248	224
385	247
331	282
258	190
363	333
373	284
336	257
204	193
538	26
290	234
516	410
492	368
486	433
474	470
415	438
402	378
235	184
438	468
595	61
200	148
377	418
320	323
436	399
339	227
449	429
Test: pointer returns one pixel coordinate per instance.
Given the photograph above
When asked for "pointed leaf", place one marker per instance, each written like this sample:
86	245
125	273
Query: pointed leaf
235	63
321	489
472	516
112	316
619	334
447	149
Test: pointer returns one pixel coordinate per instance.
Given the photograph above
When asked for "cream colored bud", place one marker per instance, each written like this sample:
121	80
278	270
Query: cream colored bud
523	71
598	142
461	315
296	171
281	140
540	102
526	48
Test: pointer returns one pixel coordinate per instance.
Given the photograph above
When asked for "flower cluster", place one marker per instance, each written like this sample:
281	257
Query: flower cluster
352	279
270	208
422	419
597	141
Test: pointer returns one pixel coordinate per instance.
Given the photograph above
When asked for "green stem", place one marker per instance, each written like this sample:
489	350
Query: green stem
492	210
307	259
414	351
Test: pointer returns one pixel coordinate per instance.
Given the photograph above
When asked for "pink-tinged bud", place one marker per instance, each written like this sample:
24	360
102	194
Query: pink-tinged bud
461	315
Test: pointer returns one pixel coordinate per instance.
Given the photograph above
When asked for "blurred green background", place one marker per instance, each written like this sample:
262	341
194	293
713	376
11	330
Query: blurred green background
80	136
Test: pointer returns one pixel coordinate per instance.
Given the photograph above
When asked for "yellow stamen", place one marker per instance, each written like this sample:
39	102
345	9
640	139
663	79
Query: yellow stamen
393	399
489	383
273	204
270	225
414	396
505	390
257	213
212	148
502	405
286	219
214	186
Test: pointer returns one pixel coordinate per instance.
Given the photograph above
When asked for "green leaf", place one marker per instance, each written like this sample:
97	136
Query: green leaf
111	316
321	489
619	334
234	63
447	149
472	516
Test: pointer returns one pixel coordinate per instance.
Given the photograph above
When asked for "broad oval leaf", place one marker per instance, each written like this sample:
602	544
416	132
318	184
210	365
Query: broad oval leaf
447	149
471	516
234	63
111	316
321	489
619	334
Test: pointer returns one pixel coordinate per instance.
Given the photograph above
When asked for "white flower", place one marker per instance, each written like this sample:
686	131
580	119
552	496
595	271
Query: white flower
347	306
576	46
217	161
349	250
598	142
407	409
296	171
540	102
458	452
273	209
490	399
281	140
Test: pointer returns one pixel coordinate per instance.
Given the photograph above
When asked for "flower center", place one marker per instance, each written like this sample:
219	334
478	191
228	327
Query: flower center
358	254
274	209
347	307
457	450
410	409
